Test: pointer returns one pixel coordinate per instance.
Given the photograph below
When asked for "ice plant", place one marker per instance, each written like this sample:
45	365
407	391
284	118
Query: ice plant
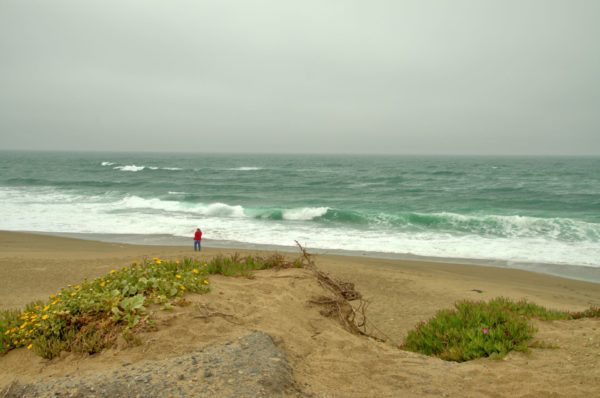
89	316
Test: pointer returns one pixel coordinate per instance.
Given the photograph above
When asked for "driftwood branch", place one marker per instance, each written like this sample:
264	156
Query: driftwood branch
352	317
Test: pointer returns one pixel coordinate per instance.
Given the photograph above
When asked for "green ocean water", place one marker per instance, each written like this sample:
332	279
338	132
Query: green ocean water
514	209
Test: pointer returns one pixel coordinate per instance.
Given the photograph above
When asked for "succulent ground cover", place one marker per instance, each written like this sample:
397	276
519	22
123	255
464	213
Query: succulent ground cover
93	315
90	316
475	329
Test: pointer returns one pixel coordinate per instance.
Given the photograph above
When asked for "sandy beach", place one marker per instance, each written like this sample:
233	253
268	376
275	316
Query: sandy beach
326	360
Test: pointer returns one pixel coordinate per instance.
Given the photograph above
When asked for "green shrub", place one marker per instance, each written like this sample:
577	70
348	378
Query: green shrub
478	329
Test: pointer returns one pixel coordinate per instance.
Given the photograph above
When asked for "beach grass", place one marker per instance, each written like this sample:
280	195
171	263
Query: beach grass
476	329
90	316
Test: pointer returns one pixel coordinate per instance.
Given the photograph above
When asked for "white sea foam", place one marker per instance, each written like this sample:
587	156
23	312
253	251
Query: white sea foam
245	168
133	202
213	209
46	209
516	226
304	213
223	210
177	193
131	167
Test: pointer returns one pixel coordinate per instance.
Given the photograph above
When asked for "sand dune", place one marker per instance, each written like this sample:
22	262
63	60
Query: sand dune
326	360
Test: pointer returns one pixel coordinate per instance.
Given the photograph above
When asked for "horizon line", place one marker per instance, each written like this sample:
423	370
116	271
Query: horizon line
283	153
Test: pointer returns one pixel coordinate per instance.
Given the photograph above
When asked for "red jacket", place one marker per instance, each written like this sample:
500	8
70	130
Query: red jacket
198	235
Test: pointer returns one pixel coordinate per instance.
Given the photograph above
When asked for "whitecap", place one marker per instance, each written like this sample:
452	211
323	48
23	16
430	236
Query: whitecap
222	210
211	210
131	167
304	213
245	168
107	163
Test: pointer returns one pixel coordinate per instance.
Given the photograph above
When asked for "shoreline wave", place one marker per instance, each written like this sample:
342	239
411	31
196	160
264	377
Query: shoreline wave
525	210
487	225
570	271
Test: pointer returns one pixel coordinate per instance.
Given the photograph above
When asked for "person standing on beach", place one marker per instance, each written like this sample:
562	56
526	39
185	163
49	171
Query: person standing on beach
197	239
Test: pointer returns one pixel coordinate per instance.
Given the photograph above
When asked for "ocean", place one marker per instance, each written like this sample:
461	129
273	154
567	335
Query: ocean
522	212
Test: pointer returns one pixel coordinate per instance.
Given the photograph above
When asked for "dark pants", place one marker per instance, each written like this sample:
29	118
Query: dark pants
197	245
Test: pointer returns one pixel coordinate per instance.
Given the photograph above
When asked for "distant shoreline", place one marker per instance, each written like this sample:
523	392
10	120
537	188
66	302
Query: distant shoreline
574	272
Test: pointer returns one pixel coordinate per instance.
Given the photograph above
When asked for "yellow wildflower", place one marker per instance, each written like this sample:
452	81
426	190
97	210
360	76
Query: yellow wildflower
73	294
182	287
205	282
23	326
45	316
195	271
102	284
178	276
7	332
33	316
37	307
29	346
112	271
46	308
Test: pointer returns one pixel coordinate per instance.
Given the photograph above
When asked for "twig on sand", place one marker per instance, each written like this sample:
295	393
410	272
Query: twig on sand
210	314
290	277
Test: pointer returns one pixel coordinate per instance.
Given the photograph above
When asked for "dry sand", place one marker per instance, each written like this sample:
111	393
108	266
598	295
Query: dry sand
326	360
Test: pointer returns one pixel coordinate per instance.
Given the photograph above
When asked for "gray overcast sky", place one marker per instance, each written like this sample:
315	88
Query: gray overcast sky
408	77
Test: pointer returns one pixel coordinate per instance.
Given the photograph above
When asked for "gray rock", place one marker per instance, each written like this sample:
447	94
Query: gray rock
249	367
